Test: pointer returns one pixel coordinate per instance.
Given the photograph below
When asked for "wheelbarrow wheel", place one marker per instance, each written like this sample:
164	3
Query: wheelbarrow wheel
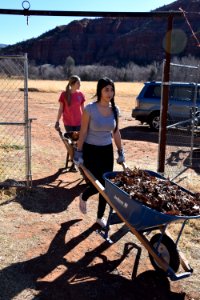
167	250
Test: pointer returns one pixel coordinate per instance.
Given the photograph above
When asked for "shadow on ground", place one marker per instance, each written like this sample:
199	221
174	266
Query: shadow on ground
47	195
139	133
188	159
81	279
144	133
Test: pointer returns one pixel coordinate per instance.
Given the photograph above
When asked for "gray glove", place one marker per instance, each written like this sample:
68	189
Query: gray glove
78	157
121	157
57	126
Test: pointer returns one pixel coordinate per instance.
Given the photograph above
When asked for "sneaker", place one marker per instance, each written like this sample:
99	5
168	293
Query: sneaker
82	205
102	222
73	169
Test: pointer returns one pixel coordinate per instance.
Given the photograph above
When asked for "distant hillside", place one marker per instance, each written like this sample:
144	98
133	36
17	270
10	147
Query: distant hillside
3	45
114	41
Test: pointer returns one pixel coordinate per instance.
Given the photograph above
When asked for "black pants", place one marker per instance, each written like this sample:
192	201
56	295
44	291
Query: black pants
72	128
98	160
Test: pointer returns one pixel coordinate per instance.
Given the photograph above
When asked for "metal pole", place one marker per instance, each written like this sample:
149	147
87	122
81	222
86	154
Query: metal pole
164	99
193	115
27	124
109	14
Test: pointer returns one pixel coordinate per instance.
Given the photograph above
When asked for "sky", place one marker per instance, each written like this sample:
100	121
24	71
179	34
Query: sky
14	28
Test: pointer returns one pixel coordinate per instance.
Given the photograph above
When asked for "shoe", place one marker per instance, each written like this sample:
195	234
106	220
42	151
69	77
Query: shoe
82	205
102	222
73	169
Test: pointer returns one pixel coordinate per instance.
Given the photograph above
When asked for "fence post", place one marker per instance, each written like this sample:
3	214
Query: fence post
164	99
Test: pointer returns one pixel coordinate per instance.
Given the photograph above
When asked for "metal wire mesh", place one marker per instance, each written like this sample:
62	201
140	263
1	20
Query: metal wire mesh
183	135
13	118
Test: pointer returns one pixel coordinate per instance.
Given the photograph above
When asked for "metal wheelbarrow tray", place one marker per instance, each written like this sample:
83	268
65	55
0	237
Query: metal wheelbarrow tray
136	213
140	219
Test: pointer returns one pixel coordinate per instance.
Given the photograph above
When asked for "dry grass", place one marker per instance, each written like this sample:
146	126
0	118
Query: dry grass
124	90
20	217
127	90
89	87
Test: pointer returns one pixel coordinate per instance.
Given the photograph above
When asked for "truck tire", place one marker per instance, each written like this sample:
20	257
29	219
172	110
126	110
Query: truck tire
154	121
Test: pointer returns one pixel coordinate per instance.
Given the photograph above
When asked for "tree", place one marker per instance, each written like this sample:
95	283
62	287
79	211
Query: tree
69	66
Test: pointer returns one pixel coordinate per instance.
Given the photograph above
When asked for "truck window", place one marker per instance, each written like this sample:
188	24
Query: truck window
153	91
182	93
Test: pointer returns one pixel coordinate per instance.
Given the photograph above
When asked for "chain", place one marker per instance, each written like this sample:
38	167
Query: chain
26	5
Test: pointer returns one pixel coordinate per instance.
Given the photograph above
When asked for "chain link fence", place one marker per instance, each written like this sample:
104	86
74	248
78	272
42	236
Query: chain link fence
183	135
48	151
14	122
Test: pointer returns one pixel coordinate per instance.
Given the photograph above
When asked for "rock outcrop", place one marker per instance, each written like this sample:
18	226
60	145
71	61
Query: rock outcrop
115	41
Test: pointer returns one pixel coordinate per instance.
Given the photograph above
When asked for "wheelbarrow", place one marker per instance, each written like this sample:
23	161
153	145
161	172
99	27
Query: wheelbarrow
69	139
141	220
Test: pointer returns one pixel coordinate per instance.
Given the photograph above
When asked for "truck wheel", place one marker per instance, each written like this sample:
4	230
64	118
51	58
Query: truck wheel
167	250
154	121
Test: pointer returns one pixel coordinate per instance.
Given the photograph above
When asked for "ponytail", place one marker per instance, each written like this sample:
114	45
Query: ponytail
115	112
72	80
68	94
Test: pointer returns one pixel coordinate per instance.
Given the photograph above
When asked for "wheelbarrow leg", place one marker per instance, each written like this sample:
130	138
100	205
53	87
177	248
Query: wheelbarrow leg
112	219
67	160
70	154
73	168
69	145
184	262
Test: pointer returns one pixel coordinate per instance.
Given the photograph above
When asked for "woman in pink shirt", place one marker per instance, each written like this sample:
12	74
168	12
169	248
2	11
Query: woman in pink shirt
71	105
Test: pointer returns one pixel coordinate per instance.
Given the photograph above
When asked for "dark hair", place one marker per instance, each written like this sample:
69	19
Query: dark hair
103	82
72	80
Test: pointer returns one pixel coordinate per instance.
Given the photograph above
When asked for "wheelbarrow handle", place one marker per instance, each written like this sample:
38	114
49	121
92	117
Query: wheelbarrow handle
94	181
68	145
125	167
60	132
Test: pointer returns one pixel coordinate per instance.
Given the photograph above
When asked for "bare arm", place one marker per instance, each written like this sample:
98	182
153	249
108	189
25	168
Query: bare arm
60	111
117	139
84	129
82	107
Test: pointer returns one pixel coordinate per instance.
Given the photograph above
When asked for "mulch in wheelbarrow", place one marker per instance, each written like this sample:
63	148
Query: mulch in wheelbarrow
157	192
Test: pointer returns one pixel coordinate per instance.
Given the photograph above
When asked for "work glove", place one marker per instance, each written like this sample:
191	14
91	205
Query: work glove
121	157
78	157
57	126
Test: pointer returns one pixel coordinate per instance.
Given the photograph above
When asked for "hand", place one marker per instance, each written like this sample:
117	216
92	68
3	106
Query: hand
78	157
57	126
121	157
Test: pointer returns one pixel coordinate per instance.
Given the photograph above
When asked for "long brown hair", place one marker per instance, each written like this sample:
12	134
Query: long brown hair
100	85
72	80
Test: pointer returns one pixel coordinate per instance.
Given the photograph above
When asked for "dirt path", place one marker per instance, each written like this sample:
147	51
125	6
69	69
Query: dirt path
50	251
